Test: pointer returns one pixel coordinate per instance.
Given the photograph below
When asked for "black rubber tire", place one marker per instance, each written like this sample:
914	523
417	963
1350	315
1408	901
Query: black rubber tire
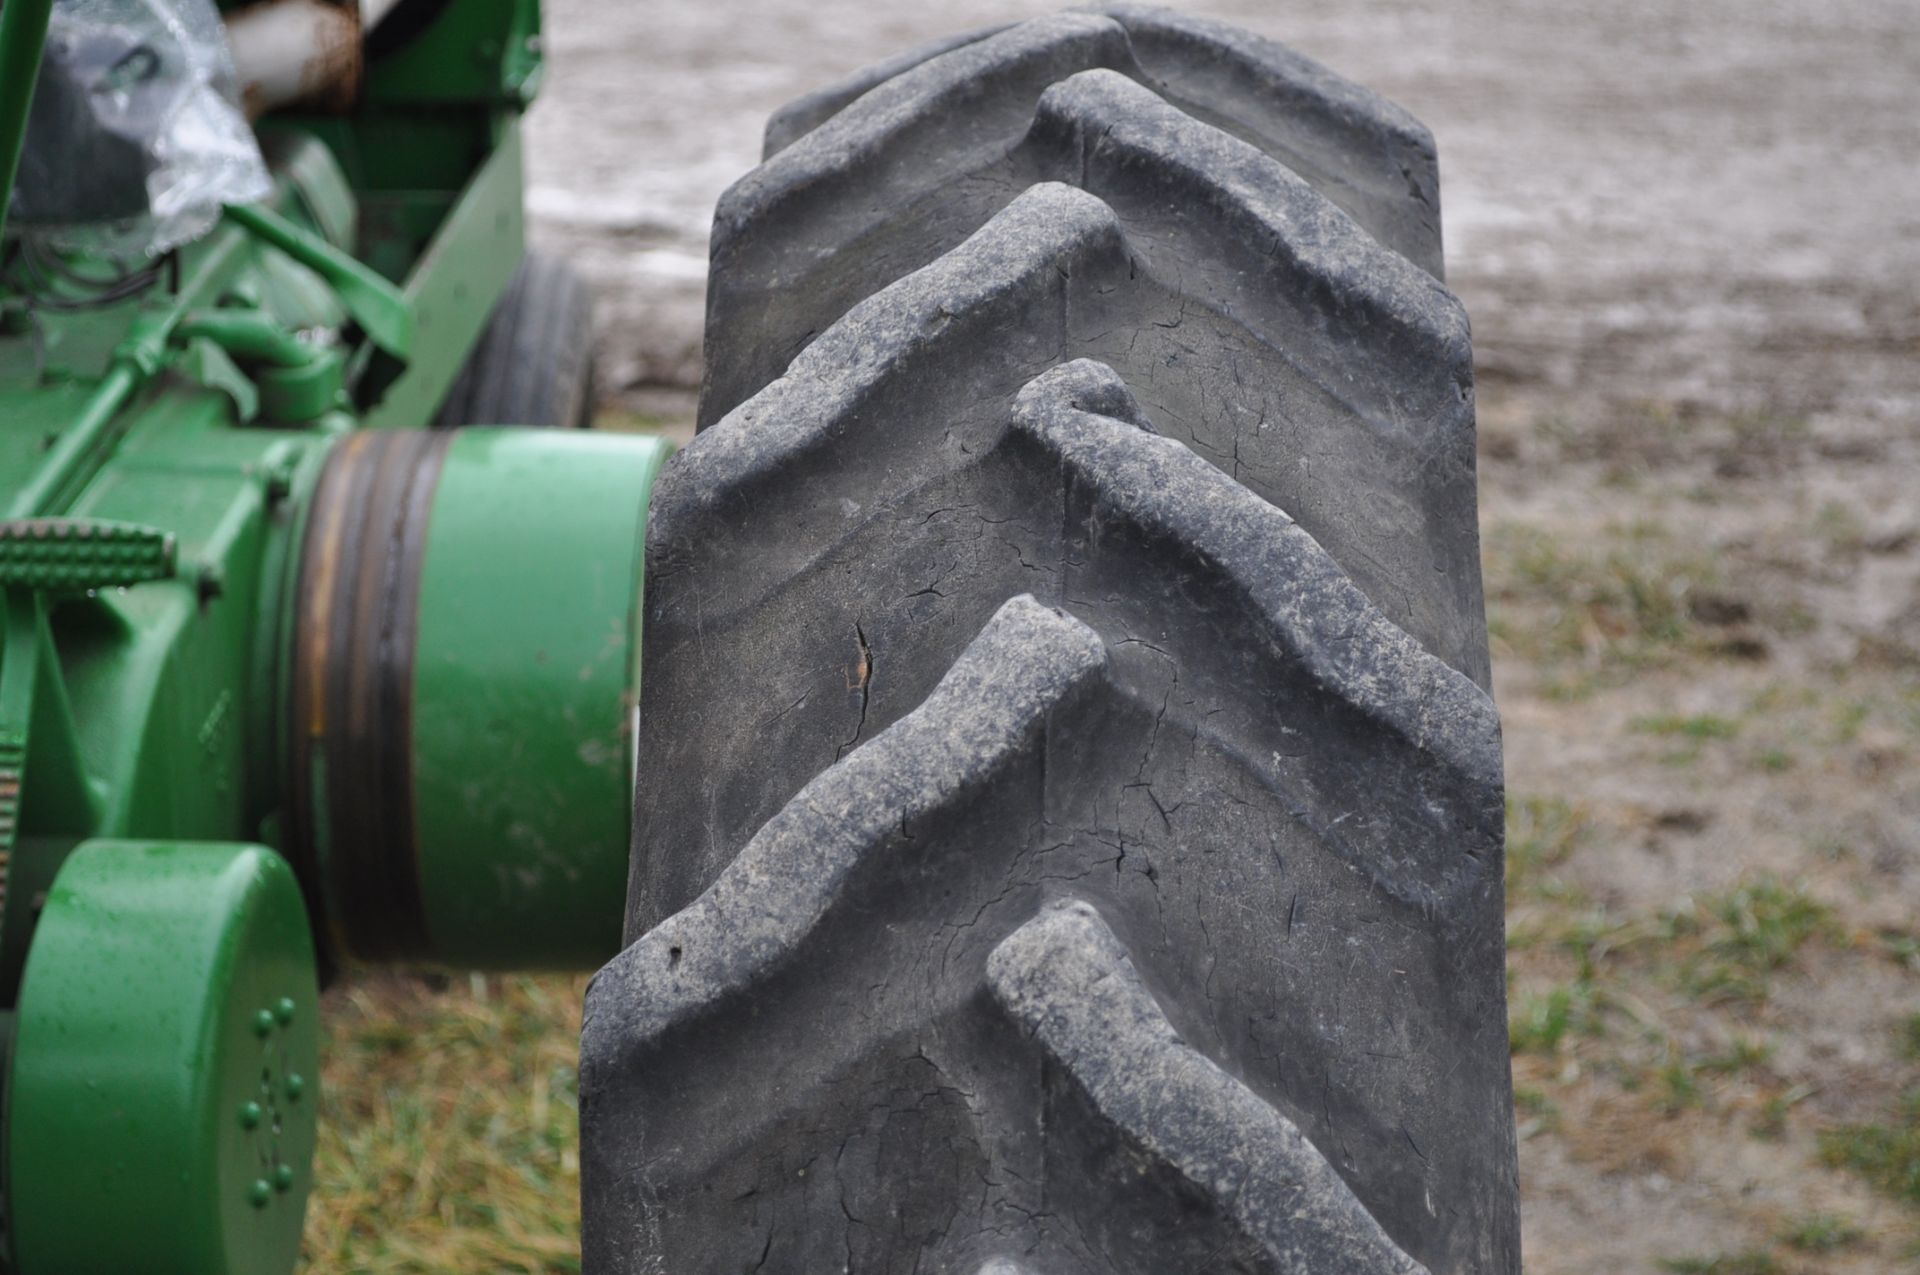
533	364
1050	855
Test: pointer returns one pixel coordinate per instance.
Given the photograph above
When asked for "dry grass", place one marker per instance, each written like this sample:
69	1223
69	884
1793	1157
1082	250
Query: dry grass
449	1142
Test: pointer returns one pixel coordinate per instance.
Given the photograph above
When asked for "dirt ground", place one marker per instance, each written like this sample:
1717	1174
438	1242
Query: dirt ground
1689	238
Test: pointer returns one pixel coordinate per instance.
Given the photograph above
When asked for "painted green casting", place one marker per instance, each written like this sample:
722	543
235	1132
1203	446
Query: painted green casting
23	33
188	965
523	714
207	676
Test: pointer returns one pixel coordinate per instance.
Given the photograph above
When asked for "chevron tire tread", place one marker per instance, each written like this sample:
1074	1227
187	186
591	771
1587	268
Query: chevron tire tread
1069	836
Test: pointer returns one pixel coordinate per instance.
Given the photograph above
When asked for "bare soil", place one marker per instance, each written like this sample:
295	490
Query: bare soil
1689	237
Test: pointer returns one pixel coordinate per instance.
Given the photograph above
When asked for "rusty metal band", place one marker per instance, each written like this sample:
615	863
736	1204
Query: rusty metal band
356	619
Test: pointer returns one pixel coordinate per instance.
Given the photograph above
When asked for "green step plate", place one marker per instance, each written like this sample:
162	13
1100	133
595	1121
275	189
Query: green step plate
163	1082
72	555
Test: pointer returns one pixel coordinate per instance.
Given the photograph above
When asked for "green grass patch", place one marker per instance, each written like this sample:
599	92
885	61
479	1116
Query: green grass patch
1678	1089
1693	732
1901	948
1541	1022
1886	1155
1909	1038
1534	1102
1751	1262
1744	936
1541	833
1743	1055
1821	1233
1762	925
1624	602
1770	1123
1848	718
619	420
1697	726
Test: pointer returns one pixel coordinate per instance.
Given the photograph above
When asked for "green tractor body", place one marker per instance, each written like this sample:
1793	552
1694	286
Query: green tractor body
287	680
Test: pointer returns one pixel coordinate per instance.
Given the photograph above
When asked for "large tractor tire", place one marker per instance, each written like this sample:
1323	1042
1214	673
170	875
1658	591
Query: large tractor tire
533	364
1069	820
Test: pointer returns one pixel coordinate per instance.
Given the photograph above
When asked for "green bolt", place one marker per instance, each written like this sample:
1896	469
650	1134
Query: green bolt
283	1010
259	1193
250	1114
296	1086
263	1022
283	1177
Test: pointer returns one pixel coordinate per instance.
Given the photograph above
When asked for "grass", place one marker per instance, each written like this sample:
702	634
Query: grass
449	1128
1699	726
1654	1016
1692	733
1679	1089
1771	1122
1910	1038
1821	1233
1751	1262
1746	935
1886	1155
1720	950
1721	946
620	420
1744	1055
1541	833
1539	1023
1762	925
1624	602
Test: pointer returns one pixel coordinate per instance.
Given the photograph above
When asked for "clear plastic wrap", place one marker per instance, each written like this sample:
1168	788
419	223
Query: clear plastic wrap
136	137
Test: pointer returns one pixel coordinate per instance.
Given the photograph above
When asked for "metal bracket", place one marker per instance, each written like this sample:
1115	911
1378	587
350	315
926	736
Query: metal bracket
376	305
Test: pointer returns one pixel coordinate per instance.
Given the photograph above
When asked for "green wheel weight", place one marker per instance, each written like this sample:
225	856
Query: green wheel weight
162	1117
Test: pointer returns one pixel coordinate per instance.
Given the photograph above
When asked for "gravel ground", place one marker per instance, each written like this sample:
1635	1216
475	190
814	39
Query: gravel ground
1688	236
1713	200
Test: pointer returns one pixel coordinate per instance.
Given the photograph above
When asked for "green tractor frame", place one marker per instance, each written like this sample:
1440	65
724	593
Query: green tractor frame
289	677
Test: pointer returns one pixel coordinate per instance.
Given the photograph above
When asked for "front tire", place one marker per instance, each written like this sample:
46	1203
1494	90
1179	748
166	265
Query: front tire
533	364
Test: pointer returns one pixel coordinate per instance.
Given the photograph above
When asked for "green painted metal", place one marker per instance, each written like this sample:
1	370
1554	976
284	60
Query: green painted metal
85	438
75	555
375	304
296	380
526	679
160	456
463	270
477	51
310	169
165	1065
461	676
23	34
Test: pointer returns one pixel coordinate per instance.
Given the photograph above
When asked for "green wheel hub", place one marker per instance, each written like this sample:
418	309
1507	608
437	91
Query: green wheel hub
165	1065
464	677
